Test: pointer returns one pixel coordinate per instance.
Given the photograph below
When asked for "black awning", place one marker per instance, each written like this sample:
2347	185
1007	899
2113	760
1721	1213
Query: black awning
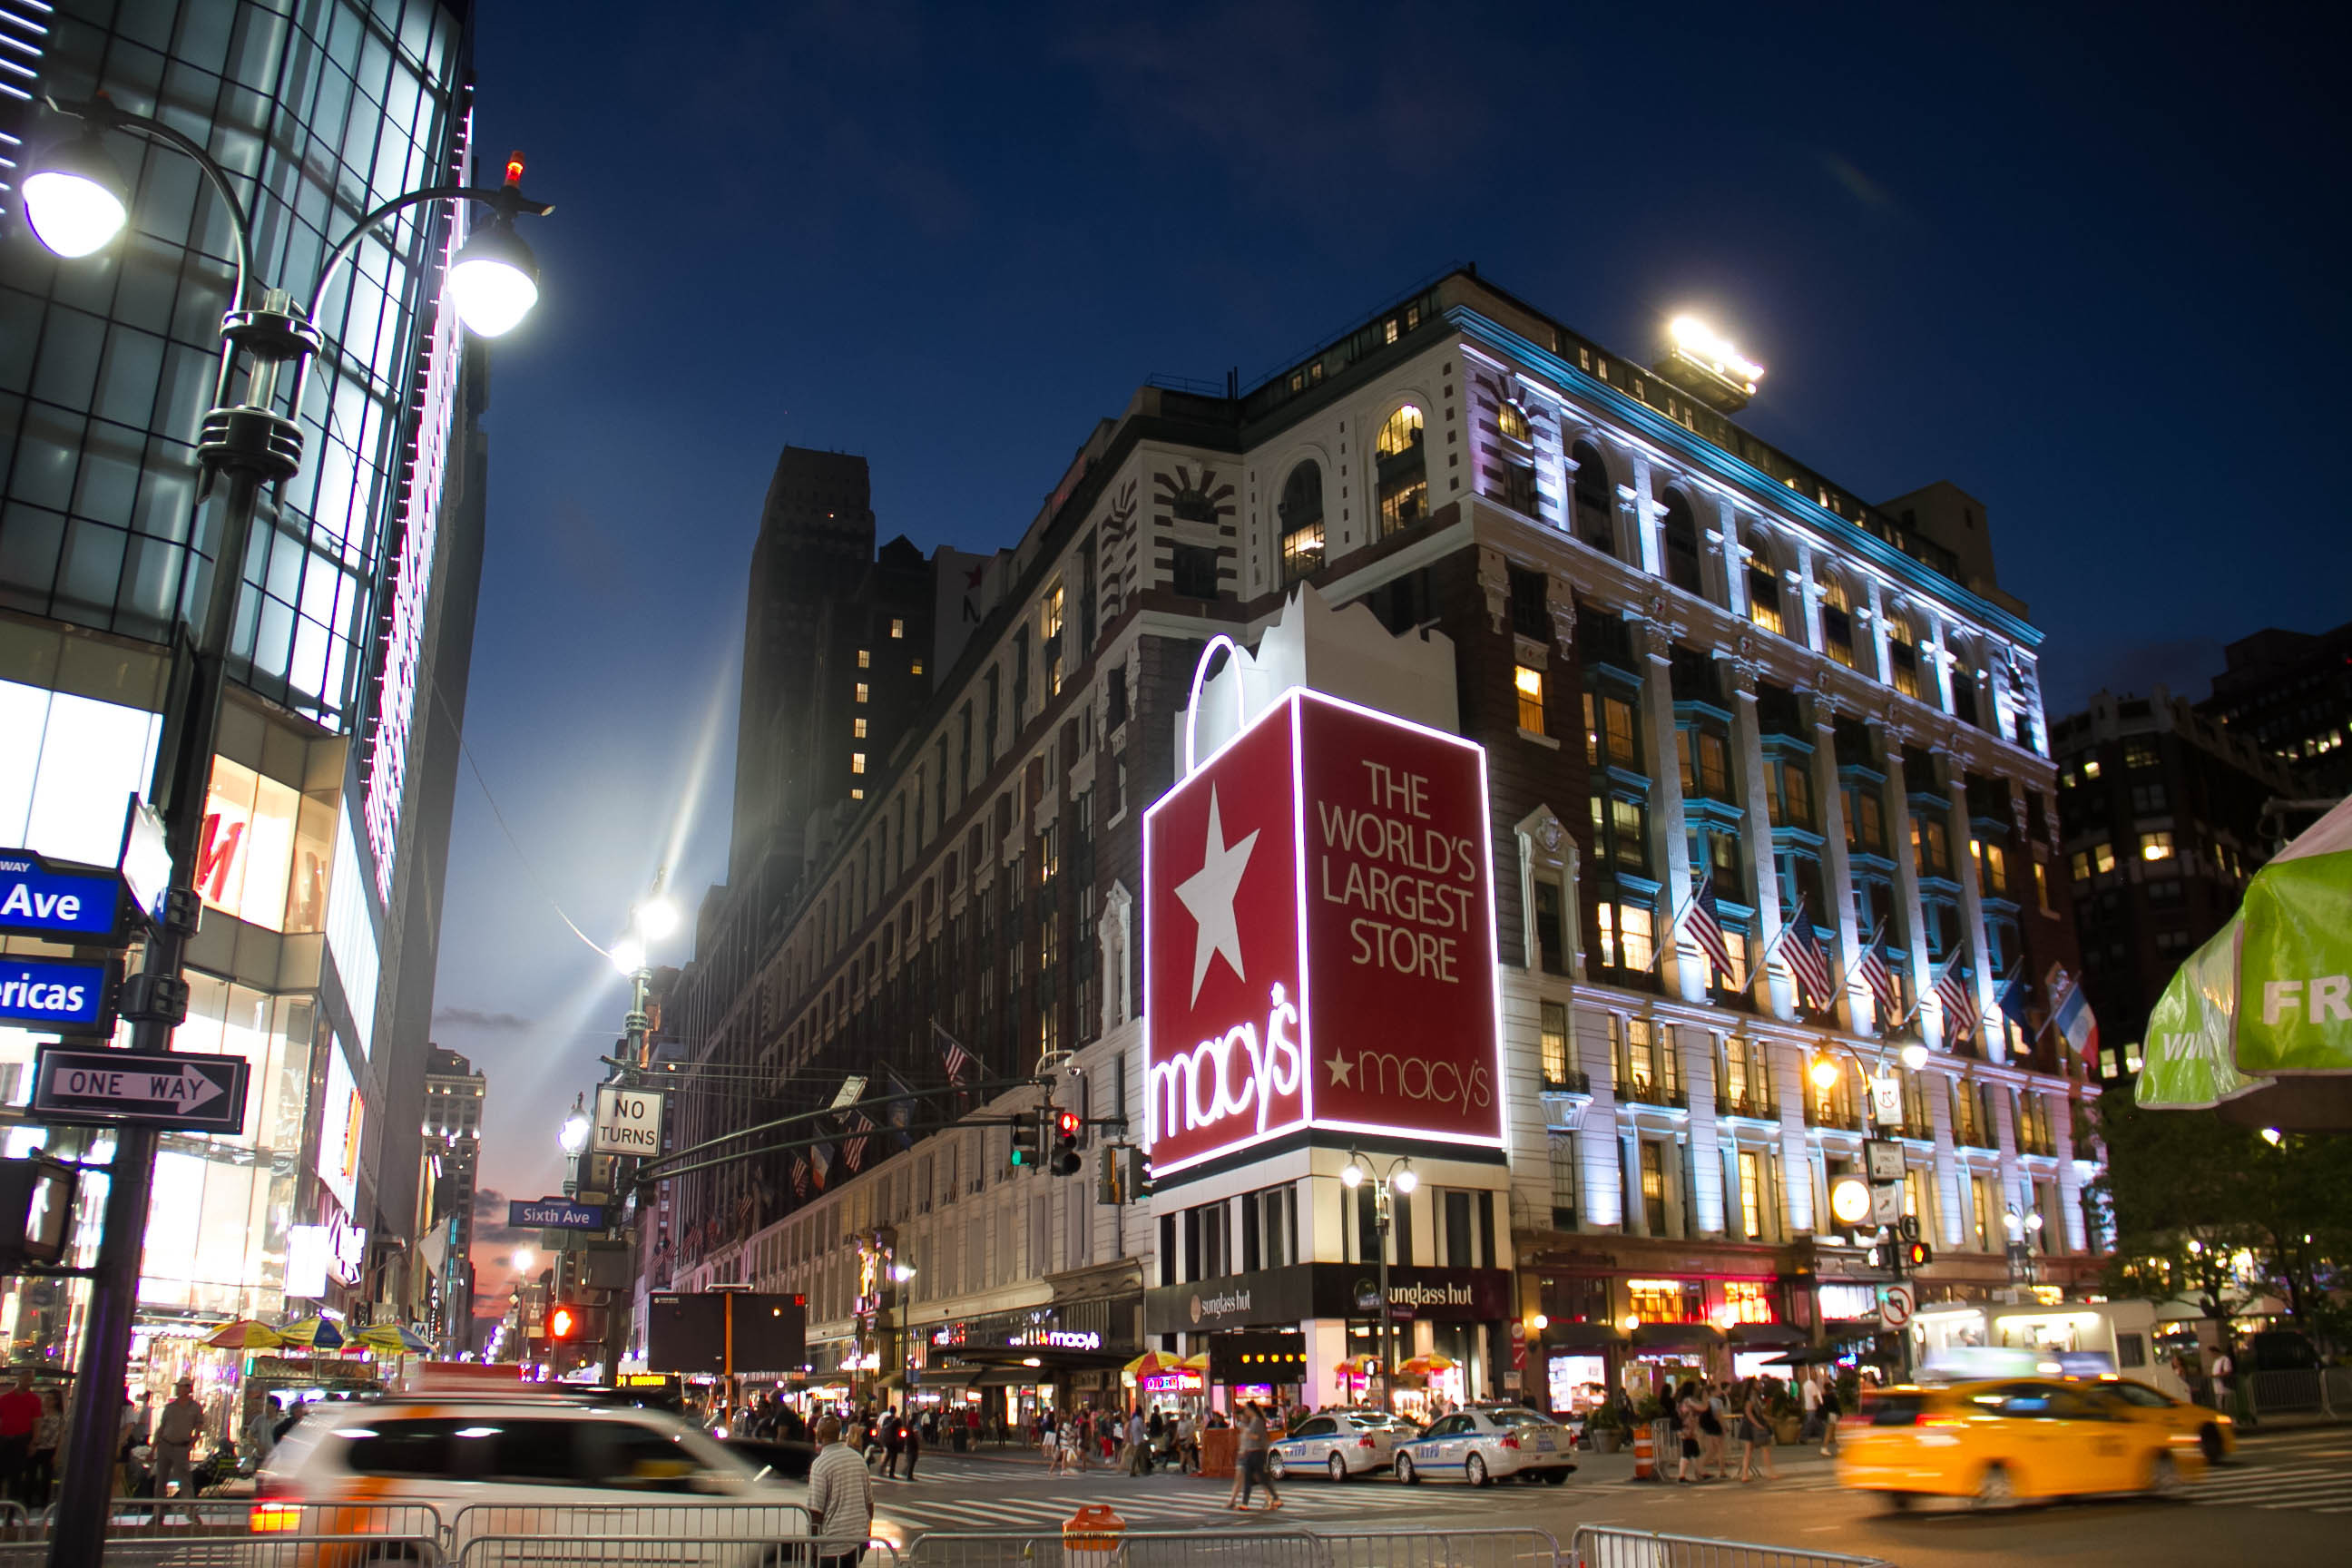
1677	1336
1777	1334
1581	1336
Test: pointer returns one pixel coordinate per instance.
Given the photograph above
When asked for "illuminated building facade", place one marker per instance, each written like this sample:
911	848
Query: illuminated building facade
327	830
1684	661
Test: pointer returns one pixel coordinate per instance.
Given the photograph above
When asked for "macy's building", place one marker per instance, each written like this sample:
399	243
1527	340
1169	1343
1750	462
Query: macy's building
1534	651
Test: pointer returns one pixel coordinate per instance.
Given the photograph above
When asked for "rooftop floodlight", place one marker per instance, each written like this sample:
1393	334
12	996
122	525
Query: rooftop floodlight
75	198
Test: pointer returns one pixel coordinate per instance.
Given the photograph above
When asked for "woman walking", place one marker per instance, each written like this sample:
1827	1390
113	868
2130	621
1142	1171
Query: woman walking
1831	1407
1687	1405
1756	1431
1712	1416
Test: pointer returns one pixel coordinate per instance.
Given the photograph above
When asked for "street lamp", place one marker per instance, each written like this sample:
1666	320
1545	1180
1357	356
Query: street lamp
573	1134
1399	1181
75	201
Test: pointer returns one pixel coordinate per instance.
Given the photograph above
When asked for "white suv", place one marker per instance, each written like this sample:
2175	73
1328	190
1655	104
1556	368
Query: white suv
544	1473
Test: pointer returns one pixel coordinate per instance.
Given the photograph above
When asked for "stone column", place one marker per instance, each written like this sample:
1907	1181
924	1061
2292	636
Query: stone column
2005	1134
1989	1033
1837	867
1685	976
1882	668
1637	1214
2070	1175
1646	510
1601	1180
1949	1198
1698	1049
1778	991
1735	580
1809	604
1906	867
1941	659
1798	1209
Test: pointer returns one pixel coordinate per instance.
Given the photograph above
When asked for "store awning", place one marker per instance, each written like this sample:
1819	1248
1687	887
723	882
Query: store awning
1010	1377
1677	1336
1780	1335
1581	1336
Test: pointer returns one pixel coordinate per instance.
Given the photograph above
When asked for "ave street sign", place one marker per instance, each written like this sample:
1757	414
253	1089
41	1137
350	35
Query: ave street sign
58	899
628	1121
555	1214
173	1090
53	995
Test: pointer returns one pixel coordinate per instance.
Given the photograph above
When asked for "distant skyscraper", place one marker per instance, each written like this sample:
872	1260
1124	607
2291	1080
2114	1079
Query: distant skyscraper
454	1092
2290	693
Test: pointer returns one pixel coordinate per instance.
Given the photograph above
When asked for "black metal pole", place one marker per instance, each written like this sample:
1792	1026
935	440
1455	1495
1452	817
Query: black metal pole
1387	1313
85	1494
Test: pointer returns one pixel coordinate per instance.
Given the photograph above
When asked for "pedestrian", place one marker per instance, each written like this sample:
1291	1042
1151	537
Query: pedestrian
1138	1443
20	1413
41	1466
1809	1399
893	1440
1832	1407
258	1437
840	1499
914	1447
1756	1431
176	1433
1687	1405
1249	1472
1713	1429
1188	1447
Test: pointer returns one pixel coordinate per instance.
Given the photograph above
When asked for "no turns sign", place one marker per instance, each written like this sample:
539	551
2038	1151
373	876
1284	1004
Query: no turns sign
628	1121
1896	1305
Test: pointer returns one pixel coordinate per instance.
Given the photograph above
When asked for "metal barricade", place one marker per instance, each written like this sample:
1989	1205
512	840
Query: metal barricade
770	1522
224	1550
1596	1546
1242	1548
1443	1549
654	1551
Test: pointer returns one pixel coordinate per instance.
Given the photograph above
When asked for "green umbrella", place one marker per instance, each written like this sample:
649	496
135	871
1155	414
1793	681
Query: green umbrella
2270	995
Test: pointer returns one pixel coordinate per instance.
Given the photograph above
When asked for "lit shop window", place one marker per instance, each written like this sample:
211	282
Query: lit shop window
1531	705
266	850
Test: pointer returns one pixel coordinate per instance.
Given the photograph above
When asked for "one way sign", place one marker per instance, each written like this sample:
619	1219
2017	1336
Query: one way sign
188	1093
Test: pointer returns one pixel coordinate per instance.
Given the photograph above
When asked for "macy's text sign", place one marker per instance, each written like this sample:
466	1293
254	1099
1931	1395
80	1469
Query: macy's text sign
1319	937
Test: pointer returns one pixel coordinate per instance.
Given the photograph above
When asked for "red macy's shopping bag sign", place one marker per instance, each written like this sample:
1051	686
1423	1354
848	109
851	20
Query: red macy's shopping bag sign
1319	938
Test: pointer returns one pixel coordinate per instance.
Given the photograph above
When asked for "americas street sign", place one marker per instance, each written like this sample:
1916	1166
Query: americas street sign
186	1092
53	995
58	900
554	1214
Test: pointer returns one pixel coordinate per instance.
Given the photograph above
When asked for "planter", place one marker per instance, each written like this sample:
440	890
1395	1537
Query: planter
1788	1429
1609	1441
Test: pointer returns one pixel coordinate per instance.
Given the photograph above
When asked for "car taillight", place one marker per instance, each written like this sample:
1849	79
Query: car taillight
1507	1442
1928	1418
1363	1443
268	1518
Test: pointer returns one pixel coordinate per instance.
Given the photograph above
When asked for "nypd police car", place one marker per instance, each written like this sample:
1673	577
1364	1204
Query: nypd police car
1339	1443
1486	1445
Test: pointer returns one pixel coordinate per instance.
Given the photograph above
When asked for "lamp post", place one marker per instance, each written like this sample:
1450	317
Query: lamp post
75	201
651	920
1399	1181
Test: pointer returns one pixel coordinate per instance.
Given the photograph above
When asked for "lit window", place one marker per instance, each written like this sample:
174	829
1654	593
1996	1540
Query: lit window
857	729
2155	845
2042	886
857	794
2090	767
1049	616
1512	421
865	657
2082	864
861	691
897	628
1532	707
916	668
2102	858
856	762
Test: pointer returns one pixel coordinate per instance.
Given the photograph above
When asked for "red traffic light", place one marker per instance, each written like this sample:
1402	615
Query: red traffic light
1066	1124
562	1322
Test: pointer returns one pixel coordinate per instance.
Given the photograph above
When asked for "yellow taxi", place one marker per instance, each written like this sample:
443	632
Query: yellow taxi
2008	1441
2215	1435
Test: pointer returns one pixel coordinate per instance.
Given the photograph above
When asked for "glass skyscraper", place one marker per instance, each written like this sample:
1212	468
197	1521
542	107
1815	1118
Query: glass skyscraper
326	826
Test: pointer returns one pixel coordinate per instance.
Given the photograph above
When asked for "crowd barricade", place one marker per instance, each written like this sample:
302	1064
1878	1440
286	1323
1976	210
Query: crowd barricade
151	1550
1598	1546
781	1523
1242	1548
654	1551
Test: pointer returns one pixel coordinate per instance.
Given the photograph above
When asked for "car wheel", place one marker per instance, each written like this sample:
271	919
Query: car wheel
1475	1470
1995	1489
1556	1477
1274	1465
2208	1438
1338	1467
1898	1502
1404	1472
2163	1477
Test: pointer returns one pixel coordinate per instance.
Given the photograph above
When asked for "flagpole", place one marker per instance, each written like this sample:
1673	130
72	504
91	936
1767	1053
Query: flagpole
1764	958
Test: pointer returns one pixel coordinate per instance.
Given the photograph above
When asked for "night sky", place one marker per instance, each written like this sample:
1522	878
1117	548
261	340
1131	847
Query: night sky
2094	276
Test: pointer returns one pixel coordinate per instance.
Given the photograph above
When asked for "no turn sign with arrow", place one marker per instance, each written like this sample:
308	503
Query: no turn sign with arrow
1896	1305
172	1090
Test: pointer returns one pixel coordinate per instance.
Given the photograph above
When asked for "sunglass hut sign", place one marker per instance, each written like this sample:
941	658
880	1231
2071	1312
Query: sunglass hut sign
1319	937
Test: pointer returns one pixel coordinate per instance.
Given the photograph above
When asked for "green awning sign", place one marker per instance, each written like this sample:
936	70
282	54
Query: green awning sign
2190	1059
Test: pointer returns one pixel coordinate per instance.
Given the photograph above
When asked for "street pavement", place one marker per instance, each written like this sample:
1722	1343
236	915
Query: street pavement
2284	1499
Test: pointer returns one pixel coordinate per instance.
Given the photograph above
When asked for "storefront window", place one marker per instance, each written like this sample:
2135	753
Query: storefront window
266	850
1745	1302
1667	1301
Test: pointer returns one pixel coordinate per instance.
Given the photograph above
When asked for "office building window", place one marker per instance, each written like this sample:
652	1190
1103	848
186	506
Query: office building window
1529	684
1563	1180
1555	1042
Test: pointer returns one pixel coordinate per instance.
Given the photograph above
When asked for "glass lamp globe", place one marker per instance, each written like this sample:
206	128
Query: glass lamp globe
76	198
494	281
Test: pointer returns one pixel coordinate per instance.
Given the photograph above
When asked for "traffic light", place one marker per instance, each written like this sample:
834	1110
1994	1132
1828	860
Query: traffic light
563	1323
1066	1127
1918	1255
1028	1138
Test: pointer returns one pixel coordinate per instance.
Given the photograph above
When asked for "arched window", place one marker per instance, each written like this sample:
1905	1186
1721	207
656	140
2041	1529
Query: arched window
1764	585
1515	481
1837	619
1301	515
1596	506
1903	653
1403	473
1682	544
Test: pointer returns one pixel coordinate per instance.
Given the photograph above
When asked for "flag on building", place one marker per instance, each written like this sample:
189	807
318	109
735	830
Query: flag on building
1872	967
800	1175
2015	1000
960	1064
853	1148
821	1163
901	1111
1808	963
1959	1001
1706	931
2070	1009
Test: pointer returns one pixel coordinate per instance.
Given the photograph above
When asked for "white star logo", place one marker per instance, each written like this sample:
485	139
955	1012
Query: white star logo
1342	1070
1209	892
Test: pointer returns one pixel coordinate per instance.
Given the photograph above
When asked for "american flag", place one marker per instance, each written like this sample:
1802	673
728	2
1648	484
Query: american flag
799	1176
1959	1001
1872	967
960	1063
1706	931
853	1148
1806	961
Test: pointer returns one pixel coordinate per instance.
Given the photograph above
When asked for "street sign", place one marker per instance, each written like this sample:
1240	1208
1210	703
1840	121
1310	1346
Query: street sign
555	1214
1886	1101
628	1121
58	900
174	1089
53	995
1896	1305
853	1089
146	859
1885	1159
1886	1203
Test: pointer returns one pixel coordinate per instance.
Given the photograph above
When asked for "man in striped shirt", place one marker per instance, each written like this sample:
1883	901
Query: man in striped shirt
840	1499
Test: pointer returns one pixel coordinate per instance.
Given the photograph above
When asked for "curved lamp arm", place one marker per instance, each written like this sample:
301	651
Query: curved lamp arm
100	111
508	200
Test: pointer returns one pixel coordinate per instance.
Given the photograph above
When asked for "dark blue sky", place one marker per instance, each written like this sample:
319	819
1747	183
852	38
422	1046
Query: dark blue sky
2093	274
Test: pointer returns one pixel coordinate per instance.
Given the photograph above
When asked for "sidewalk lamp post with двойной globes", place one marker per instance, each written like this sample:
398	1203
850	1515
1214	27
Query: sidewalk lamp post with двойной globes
1400	1181
654	920
76	201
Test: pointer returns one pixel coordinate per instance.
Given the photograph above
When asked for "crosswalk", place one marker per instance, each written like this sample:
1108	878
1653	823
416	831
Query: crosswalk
2319	1482
1151	1509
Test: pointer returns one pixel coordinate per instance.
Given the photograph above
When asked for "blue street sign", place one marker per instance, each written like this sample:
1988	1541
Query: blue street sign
555	1214
52	995
56	899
